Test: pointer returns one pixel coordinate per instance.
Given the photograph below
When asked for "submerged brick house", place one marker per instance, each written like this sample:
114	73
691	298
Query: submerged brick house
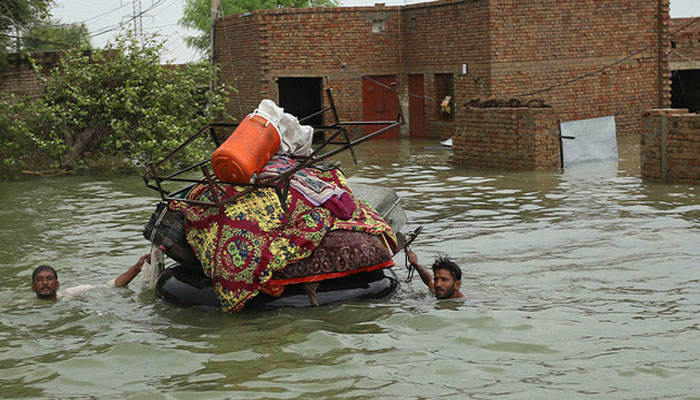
684	62
598	57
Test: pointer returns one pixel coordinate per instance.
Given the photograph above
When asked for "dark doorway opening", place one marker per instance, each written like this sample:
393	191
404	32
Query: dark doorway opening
301	97
685	89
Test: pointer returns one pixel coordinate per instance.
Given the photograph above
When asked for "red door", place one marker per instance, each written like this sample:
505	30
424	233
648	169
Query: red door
379	103
416	106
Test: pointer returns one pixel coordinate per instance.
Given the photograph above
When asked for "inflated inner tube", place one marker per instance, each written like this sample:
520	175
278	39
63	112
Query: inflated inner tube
166	229
182	286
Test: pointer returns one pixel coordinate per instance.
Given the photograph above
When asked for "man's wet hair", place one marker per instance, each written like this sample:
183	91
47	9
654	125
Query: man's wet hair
444	262
44	268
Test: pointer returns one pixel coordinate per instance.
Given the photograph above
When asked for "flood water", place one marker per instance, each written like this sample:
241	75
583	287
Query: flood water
582	285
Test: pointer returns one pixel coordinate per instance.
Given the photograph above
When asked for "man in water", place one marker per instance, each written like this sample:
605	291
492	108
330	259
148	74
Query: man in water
445	280
46	286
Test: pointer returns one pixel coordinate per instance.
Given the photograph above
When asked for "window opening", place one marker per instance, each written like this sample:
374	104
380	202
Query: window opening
378	26
445	90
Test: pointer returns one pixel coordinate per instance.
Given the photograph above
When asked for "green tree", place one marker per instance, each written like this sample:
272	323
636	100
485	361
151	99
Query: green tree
120	103
15	15
15	132
53	35
197	14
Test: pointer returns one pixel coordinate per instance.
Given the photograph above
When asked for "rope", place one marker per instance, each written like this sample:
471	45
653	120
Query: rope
601	69
345	65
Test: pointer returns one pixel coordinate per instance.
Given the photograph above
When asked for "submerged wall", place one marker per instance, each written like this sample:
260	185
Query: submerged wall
507	138
670	146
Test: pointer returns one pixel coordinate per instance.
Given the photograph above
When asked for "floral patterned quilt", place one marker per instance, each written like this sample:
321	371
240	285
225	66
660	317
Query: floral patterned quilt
241	244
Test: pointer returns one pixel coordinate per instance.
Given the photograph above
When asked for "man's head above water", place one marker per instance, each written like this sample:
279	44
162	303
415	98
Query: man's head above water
447	278
45	282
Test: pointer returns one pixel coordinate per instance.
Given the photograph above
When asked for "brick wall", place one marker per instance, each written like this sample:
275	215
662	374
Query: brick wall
508	138
538	44
238	54
685	45
670	146
312	42
437	38
19	76
511	48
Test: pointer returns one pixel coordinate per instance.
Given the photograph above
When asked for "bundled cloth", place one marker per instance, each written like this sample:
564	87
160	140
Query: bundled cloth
317	191
241	244
295	139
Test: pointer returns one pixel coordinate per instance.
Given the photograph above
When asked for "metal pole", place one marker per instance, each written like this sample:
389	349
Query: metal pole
212	42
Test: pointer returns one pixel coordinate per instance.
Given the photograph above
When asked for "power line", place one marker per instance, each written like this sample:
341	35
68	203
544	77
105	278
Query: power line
114	27
96	17
150	28
64	45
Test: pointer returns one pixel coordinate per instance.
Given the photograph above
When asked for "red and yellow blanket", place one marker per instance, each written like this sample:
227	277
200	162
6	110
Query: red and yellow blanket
241	244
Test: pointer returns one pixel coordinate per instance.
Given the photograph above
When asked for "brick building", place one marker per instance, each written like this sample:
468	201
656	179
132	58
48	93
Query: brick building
684	62
597	57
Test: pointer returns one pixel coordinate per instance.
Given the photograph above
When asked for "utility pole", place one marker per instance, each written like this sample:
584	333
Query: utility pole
212	38
138	20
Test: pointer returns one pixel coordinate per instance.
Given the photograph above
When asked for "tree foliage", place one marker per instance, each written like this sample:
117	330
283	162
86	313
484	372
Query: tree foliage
53	35
197	14
23	12
119	103
15	15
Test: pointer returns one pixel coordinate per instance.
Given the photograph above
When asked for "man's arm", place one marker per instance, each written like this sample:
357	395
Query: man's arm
425	275
130	274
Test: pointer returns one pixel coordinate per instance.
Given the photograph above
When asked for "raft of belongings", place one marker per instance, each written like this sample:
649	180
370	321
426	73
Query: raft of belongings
254	245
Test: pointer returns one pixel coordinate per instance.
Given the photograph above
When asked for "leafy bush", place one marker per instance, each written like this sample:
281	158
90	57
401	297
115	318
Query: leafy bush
119	103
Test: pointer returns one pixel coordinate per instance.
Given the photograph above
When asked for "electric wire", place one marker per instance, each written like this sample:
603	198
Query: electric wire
96	17
115	27
346	65
43	41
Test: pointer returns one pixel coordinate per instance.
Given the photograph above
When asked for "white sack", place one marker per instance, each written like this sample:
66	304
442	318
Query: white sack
295	138
152	271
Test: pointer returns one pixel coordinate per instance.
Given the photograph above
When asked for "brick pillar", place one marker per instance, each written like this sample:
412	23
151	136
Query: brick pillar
664	46
670	146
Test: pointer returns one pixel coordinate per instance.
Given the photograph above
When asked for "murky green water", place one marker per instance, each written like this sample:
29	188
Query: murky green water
582	285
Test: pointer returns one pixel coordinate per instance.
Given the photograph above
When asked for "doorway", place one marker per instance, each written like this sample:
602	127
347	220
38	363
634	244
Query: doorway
301	97
685	89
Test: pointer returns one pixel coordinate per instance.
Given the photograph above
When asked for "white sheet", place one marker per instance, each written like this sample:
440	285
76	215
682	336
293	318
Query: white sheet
594	140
